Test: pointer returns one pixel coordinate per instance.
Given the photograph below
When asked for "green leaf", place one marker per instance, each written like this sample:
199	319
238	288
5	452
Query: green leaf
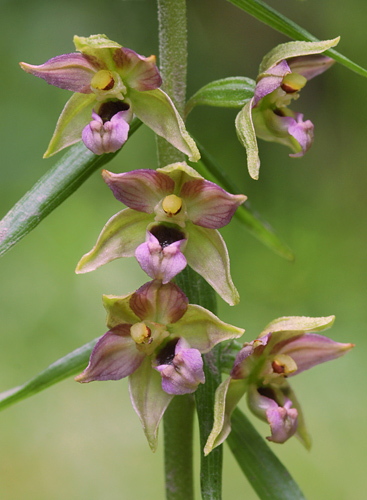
266	474
51	190
209	168
69	365
274	19
232	92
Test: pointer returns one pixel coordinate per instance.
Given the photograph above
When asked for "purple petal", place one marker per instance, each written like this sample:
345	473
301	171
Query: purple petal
302	132
312	349
106	137
68	71
139	72
139	189
114	356
159	303
271	80
310	66
161	263
282	419
182	373
209	205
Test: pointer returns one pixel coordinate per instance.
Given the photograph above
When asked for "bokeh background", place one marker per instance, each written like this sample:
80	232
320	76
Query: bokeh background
76	442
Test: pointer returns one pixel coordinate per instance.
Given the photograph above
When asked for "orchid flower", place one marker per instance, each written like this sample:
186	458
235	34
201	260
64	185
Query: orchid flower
172	219
283	72
110	84
156	339
286	347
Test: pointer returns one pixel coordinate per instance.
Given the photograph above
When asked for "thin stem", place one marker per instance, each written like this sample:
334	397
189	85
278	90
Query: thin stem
173	65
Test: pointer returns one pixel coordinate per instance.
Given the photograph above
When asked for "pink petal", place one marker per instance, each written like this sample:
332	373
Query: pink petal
68	71
139	72
114	356
139	189
208	205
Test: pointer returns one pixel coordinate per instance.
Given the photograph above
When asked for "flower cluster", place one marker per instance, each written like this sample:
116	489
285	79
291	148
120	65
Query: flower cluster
111	84
283	72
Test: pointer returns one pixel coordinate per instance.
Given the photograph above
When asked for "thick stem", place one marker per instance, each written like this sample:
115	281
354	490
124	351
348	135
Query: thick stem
173	65
178	444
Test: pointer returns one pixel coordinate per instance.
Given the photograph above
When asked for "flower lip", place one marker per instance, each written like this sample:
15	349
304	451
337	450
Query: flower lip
110	108
166	355
166	235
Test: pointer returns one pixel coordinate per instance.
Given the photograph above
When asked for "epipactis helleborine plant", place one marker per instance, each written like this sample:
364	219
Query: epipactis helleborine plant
172	220
156	339
110	84
283	72
285	348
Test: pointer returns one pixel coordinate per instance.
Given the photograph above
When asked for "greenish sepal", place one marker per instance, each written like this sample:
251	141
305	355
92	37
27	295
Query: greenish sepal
202	329
76	114
299	324
227	396
294	49
157	111
232	92
119	310
247	136
98	47
148	399
207	254
180	173
119	238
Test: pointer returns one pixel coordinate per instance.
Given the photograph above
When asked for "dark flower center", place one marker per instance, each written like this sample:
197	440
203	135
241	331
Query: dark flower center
108	109
167	353
166	235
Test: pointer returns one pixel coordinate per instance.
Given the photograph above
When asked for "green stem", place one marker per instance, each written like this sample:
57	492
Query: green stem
173	65
178	448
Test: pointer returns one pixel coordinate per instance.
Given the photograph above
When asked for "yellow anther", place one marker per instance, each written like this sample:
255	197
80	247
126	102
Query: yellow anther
172	204
103	80
284	364
293	82
140	333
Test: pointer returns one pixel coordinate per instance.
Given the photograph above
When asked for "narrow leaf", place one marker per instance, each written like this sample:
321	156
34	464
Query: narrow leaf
266	474
51	190
69	365
209	168
232	92
266	14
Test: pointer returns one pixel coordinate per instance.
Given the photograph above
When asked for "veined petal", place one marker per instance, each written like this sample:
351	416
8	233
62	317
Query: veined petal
246	134
209	205
149	400
294	49
310	66
114	357
227	396
138	72
207	254
180	172
312	349
119	310
68	71
74	117
157	111
159	303
202	329
270	81
139	189
120	237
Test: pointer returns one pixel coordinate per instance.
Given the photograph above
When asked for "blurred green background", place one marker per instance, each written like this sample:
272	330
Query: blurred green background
77	442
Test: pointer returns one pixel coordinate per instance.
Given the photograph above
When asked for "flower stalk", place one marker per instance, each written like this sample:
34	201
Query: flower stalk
173	66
